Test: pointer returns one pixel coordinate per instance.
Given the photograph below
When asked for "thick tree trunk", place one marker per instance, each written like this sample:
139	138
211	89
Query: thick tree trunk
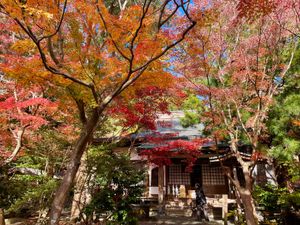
81	190
247	198
244	190
2	221
244	197
248	203
65	185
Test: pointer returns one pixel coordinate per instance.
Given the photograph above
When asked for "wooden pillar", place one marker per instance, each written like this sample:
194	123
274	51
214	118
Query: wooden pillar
2	221
148	182
224	208
161	195
160	184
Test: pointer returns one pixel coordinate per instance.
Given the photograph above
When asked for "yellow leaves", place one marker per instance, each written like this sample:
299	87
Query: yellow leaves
18	9
23	46
86	11
38	13
81	93
75	31
26	71
151	77
12	7
133	30
158	78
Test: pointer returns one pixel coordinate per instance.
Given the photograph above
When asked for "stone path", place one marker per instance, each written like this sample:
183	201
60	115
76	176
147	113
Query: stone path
176	221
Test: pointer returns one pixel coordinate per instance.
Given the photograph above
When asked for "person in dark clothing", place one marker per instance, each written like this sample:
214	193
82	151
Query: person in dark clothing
200	203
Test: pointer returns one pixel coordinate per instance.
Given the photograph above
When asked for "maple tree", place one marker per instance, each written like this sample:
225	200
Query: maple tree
141	110
253	9
92	51
133	111
237	67
21	112
165	148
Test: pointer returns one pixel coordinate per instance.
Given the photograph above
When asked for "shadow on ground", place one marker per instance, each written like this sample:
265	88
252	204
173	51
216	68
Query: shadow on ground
176	220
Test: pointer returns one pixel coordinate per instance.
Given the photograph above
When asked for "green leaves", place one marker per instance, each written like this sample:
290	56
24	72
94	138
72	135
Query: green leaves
192	107
283	126
115	187
35	197
275	199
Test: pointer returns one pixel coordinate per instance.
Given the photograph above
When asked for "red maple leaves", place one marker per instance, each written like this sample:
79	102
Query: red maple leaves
165	147
141	111
21	111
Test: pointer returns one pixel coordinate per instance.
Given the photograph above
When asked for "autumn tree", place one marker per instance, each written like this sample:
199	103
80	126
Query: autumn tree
21	112
237	67
92	52
28	149
133	111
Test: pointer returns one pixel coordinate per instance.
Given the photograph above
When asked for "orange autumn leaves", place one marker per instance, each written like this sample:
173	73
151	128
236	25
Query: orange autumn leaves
85	46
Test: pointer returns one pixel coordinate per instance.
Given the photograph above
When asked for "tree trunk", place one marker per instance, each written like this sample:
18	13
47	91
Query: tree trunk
81	190
67	181
244	190
248	203
2	221
18	137
247	198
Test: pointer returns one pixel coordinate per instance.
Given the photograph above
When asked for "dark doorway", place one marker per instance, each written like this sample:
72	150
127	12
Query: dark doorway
196	175
154	177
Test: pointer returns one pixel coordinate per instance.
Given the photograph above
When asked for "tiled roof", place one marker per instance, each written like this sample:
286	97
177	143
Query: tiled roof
170	124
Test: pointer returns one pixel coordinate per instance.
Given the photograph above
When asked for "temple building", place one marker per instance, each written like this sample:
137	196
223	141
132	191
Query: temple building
174	182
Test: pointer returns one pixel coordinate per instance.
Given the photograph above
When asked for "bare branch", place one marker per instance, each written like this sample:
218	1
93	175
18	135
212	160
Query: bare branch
241	121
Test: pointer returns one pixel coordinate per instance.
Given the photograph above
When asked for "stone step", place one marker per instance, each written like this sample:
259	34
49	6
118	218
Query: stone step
178	207
178	203
179	212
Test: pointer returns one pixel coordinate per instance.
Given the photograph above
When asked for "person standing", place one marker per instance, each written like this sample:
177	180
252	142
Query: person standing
200	203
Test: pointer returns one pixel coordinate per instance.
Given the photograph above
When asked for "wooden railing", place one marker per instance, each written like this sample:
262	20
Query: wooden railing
221	203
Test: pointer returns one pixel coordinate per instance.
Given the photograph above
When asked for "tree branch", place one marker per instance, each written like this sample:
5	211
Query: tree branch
59	24
44	59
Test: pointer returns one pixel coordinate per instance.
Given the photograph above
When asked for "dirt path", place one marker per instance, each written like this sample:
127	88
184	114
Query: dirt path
176	221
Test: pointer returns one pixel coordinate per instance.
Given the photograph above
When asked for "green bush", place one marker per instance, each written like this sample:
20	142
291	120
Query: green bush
116	186
276	202
23	195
